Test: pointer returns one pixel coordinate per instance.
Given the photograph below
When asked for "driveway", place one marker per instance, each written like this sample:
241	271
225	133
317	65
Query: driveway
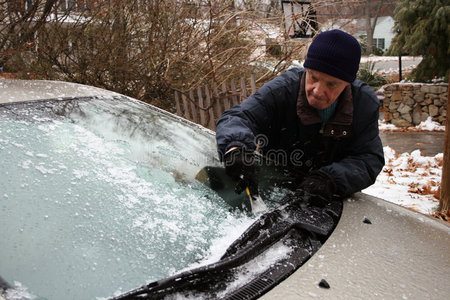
429	143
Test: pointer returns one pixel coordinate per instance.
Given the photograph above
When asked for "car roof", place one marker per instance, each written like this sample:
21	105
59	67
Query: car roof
16	90
378	250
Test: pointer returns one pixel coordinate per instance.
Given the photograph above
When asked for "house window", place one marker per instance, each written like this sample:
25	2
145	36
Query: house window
378	43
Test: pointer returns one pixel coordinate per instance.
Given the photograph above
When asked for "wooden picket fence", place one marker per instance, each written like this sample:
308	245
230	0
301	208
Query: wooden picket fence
206	104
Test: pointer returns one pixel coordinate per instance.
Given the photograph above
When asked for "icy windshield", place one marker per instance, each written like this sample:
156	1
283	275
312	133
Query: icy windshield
98	196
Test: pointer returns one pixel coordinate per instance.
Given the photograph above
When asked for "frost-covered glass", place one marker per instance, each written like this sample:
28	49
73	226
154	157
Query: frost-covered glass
98	196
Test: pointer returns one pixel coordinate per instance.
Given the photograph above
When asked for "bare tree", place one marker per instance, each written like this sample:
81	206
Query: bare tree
19	23
148	49
372	11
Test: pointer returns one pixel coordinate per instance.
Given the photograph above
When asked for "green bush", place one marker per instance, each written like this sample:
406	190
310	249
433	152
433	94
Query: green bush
367	74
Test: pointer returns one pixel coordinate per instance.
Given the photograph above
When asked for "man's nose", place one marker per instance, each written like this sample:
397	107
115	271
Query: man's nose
318	89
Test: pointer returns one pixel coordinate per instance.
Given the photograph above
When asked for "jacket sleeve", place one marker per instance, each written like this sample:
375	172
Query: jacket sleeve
364	159
257	116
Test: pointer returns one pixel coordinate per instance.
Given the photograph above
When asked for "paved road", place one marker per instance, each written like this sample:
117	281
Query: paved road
429	143
391	64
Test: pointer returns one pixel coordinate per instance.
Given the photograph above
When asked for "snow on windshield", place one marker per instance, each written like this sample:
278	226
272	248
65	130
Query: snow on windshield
99	197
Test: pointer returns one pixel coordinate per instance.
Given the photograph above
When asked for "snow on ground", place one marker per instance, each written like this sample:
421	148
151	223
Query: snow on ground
410	179
428	125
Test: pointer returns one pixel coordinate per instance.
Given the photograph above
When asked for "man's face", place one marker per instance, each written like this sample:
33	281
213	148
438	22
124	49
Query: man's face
322	89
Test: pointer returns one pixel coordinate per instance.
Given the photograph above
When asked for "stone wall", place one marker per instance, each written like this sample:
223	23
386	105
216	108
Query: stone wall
408	104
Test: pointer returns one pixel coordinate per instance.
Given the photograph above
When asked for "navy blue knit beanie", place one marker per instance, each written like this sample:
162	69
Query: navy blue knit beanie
335	53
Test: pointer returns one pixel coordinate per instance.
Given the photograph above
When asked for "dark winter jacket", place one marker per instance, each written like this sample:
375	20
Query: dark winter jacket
289	131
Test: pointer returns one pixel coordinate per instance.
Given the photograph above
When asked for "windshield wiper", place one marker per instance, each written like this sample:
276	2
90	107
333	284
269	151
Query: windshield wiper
303	228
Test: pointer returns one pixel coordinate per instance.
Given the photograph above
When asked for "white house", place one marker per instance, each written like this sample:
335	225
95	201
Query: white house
383	33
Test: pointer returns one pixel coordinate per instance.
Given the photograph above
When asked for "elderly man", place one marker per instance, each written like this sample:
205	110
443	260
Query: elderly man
320	122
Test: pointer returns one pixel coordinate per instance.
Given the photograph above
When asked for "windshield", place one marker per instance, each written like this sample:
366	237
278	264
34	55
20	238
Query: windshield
98	196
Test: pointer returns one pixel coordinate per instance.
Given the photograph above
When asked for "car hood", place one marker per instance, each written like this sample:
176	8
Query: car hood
378	250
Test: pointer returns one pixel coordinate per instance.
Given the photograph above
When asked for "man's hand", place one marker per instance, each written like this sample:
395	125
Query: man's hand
241	166
317	188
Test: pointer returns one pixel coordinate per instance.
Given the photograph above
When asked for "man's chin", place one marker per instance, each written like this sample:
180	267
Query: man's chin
319	105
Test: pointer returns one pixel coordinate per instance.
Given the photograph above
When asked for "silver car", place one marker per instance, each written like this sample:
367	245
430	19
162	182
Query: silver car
103	196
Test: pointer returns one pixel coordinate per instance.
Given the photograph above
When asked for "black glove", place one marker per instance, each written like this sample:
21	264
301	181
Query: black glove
317	188
241	166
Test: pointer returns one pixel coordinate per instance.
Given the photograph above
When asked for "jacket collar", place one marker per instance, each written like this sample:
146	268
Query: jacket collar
308	115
